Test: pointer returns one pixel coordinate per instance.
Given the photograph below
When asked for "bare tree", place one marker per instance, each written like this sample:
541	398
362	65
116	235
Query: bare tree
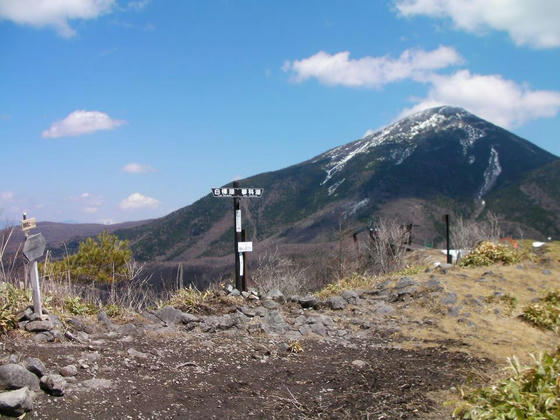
386	246
466	233
274	271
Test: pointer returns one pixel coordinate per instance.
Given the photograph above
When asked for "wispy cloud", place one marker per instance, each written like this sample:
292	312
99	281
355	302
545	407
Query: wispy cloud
138	201
499	100
340	69
54	14
528	22
137	168
81	122
6	195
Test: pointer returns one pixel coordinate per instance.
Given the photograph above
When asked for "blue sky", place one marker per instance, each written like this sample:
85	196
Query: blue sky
115	110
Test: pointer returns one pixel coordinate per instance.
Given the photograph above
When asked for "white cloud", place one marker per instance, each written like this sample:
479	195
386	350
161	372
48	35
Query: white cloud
138	201
492	97
81	122
137	168
340	69
369	132
528	22
53	13
90	210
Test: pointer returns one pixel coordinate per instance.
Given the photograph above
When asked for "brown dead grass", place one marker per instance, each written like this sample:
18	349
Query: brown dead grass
496	335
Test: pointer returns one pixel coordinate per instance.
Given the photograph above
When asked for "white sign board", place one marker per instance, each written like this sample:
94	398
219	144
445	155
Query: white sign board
245	246
238	220
28	224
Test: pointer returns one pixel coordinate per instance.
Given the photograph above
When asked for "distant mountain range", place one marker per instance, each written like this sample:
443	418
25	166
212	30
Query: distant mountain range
442	160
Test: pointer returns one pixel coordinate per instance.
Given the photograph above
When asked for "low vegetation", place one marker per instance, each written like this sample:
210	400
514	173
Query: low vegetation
190	300
546	312
12	300
531	392
355	281
488	253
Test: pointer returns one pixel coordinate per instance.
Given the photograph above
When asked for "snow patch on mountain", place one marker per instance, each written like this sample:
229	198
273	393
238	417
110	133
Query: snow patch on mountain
356	206
333	187
491	173
404	131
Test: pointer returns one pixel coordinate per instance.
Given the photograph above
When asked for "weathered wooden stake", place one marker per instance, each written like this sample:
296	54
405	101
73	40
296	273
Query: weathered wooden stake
237	239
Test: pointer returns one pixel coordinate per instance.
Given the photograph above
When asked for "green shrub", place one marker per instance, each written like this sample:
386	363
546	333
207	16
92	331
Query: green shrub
488	253
546	313
509	301
104	259
12	300
114	311
530	393
76	306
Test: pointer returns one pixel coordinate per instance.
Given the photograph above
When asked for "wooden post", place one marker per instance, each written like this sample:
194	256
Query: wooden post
237	238
449	259
245	274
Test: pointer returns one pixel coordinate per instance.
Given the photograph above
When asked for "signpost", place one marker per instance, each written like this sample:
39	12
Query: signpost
33	249
241	247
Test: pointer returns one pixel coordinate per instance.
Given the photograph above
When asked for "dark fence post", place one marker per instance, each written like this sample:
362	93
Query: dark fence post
237	237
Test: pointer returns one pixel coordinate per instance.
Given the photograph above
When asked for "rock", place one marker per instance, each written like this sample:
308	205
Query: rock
547	272
304	330
433	285
39	326
318	329
482	280
269	304
228	288
256	328
351	297
16	403
13	358
104	319
138	354
261	311
34	365
245	310
79	325
234	292
405	282
169	315
336	303
97	384
274	323
276	295
454	311
449	299
53	384
44	337
245	295
360	364
382	308
25	315
57	323
467	322
309	301
14	376
69	371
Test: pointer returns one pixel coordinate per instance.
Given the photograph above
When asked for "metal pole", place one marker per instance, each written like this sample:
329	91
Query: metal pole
449	259
36	289
237	238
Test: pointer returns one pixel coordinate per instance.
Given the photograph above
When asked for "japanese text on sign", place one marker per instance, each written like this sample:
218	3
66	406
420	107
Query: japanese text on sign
237	192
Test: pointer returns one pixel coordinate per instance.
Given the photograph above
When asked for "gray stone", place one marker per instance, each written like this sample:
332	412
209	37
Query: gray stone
104	319
187	318
57	323
304	330
360	364
318	329
261	311
382	308
454	311
97	384
14	376
39	326
546	272
245	295
351	297
69	371
309	301
269	304
138	354
245	310
34	365
25	315
336	303
78	324
169	315
433	285
53	384
276	295
405	282
449	299
274	323
16	403
13	358
234	292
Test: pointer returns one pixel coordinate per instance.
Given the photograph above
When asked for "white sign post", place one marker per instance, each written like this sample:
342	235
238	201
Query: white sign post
34	249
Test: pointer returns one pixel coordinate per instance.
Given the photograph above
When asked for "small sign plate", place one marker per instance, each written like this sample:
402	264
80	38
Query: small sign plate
28	224
237	192
34	246
245	246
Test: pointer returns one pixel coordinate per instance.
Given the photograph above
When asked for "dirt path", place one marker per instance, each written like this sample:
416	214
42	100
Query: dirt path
234	376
